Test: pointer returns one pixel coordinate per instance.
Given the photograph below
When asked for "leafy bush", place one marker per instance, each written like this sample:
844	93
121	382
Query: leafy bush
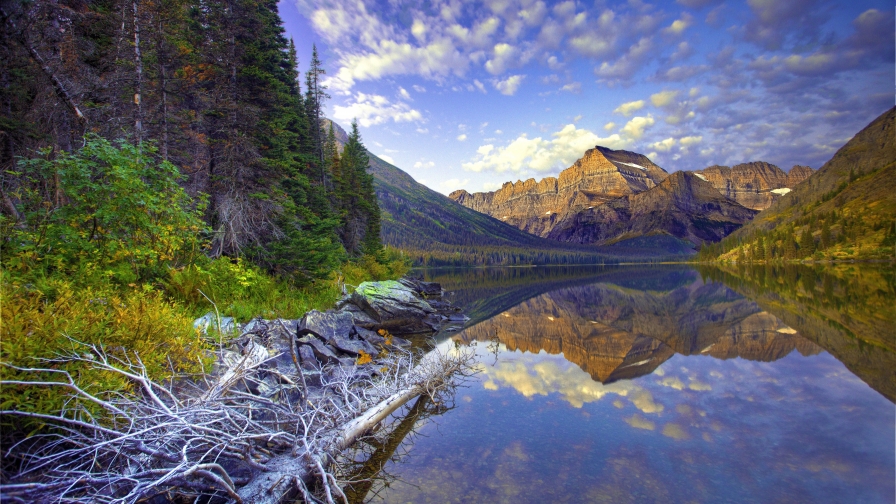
104	212
126	323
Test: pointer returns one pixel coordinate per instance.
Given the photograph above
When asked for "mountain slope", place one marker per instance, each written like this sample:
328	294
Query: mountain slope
683	205
846	210
436	229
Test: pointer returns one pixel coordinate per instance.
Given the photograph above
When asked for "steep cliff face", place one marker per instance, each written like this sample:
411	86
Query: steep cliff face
601	175
683	205
754	185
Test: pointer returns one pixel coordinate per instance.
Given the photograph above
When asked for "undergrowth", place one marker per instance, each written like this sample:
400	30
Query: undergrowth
116	261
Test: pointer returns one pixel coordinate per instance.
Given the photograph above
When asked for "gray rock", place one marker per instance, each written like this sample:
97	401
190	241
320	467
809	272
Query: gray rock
322	353
425	289
307	358
353	346
375	339
209	321
393	305
326	325
359	317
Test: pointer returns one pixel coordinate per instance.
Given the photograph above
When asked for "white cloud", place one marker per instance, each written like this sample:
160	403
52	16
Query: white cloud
419	89
423	130
418	29
421	165
479	86
690	140
403	93
663	145
573	87
491	186
541	154
461	137
509	85
386	158
452	184
592	44
628	108
609	126
626	66
679	25
437	59
663	98
635	128
370	109
503	56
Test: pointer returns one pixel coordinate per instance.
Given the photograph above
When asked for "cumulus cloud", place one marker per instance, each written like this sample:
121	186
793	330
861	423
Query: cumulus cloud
663	98
371	109
452	184
461	137
635	128
663	145
777	24
625	67
423	164
541	154
572	87
690	140
386	158
629	108
679	25
509	85
503	56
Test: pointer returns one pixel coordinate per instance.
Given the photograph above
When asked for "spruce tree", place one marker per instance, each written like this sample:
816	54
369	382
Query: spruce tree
807	244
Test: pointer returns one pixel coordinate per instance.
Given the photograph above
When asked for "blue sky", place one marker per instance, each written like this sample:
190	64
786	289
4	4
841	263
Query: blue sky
464	94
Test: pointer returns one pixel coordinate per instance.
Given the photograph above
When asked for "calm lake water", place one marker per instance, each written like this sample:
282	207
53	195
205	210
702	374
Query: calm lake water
656	384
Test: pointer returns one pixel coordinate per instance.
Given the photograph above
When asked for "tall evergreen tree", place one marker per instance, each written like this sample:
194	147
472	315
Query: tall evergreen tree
360	230
807	243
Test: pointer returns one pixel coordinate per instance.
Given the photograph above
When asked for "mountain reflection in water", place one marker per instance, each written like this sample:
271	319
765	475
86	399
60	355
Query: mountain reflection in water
660	385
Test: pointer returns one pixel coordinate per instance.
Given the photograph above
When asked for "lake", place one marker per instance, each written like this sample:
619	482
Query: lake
654	384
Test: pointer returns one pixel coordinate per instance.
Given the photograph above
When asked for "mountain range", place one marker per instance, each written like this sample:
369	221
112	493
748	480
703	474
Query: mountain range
437	231
610	196
611	205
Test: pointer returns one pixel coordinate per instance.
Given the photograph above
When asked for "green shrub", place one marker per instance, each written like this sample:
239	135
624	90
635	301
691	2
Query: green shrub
105	212
127	324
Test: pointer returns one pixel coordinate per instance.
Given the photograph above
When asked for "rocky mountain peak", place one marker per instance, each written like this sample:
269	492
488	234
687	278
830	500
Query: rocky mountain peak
600	175
756	184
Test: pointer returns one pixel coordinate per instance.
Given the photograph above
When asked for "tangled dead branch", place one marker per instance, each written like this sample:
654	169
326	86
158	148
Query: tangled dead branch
253	434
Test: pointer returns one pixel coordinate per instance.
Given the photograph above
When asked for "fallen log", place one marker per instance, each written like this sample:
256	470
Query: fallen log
221	440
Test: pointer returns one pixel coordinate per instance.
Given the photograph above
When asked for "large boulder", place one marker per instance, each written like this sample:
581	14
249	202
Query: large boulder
393	306
326	325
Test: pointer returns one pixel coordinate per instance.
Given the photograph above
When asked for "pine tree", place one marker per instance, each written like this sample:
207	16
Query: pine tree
789	247
826	234
807	243
360	230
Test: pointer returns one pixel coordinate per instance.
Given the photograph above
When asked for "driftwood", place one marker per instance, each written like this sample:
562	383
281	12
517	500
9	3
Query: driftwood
253	434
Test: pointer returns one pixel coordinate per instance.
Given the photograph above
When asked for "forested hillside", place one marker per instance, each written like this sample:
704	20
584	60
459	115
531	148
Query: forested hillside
212	88
847	210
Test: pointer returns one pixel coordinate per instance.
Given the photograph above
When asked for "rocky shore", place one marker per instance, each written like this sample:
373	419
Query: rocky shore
284	400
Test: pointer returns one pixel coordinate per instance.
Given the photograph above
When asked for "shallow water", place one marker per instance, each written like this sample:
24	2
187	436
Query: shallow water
659	385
